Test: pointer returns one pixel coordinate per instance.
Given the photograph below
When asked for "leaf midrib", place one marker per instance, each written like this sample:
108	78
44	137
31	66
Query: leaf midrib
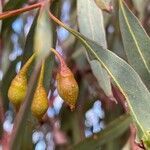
120	88
133	36
90	21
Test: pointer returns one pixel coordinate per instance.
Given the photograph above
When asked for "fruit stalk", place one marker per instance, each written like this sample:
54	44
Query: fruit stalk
66	84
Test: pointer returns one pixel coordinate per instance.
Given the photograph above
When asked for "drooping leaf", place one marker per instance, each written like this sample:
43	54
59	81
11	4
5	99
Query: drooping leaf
43	41
43	37
127	80
41	29
90	20
136	43
29	43
112	131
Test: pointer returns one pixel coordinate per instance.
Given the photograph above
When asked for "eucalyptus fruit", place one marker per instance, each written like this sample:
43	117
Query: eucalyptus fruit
66	84
40	101
18	86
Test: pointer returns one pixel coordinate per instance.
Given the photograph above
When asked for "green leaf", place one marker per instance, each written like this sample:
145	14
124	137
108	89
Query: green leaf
41	29
90	20
93	27
43	37
29	43
127	80
43	41
136	43
115	129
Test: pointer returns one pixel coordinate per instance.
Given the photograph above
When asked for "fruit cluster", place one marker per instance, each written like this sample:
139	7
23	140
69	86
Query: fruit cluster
66	85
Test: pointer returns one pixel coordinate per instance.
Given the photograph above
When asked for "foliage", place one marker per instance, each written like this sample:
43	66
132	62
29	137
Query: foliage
112	107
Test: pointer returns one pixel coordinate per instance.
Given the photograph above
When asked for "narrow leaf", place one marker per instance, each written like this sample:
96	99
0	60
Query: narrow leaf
115	129
127	80
43	41
90	20
136	43
43	37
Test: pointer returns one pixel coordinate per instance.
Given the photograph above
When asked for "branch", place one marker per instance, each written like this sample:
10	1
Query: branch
8	14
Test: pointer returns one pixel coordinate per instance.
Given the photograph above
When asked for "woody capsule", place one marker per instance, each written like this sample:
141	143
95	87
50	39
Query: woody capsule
66	84
40	101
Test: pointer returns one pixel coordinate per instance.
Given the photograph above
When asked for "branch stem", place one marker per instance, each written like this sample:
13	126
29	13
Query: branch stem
41	78
27	64
8	14
62	62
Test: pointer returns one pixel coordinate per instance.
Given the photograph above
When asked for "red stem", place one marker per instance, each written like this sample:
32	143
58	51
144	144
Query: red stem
55	19
58	56
62	62
7	14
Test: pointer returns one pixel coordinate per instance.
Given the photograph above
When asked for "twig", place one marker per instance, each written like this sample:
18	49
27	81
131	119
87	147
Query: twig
7	14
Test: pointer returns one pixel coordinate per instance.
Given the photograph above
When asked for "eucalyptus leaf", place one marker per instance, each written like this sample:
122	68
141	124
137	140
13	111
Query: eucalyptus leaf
112	131
43	41
43	38
29	43
136	43
124	76
90	20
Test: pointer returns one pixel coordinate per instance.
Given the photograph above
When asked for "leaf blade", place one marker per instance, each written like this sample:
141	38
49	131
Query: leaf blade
136	43
93	27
